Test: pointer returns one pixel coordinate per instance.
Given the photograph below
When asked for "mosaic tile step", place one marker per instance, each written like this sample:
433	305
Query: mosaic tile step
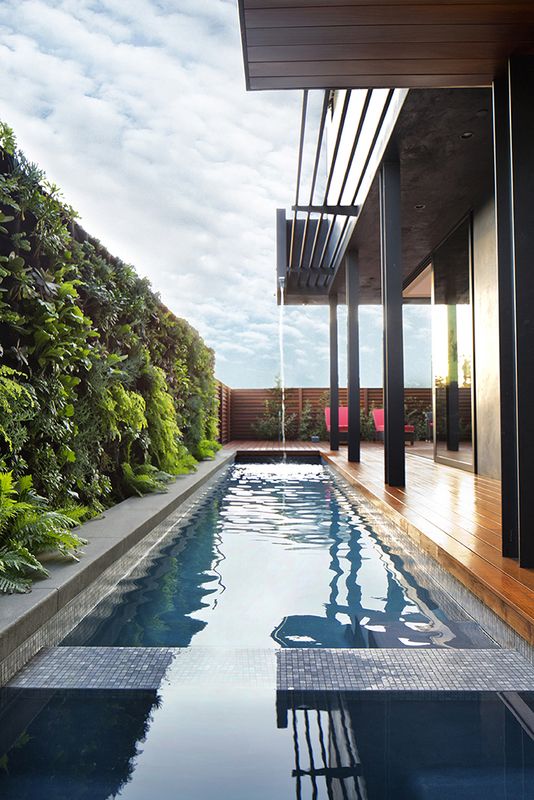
491	670
291	669
144	667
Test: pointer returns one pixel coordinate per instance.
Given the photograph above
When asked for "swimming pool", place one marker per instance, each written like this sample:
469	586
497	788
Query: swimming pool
272	556
278	555
223	742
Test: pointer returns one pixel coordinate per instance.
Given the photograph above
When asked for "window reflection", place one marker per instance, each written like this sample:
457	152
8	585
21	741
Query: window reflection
452	346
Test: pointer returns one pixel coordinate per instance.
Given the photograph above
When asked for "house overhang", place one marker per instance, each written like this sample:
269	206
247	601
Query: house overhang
316	44
443	139
349	137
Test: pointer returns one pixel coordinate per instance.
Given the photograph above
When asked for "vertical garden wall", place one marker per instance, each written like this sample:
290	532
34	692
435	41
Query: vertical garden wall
102	388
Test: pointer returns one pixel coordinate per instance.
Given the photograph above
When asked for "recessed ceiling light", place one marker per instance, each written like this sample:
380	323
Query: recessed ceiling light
420	206
467	135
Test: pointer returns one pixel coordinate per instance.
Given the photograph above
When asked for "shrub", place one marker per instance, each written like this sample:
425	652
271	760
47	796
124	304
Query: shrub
269	425
28	528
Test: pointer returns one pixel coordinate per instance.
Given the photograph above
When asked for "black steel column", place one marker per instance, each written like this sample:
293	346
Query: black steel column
390	254
520	216
352	274
505	262
334	376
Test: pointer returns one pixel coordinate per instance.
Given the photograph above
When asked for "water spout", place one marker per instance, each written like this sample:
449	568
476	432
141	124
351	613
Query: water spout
282	283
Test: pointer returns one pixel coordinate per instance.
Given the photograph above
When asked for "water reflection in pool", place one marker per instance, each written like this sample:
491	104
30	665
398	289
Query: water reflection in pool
277	554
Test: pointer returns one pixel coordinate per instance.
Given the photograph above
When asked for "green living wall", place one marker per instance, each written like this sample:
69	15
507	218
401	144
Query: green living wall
103	391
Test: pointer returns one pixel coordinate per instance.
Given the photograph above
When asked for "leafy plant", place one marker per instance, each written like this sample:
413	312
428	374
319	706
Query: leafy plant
28	528
145	479
308	424
206	448
269	425
97	371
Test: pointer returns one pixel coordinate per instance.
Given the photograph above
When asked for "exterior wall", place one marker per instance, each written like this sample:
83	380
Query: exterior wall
486	324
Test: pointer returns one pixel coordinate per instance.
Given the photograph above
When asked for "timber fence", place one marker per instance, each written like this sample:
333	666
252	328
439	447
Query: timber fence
240	409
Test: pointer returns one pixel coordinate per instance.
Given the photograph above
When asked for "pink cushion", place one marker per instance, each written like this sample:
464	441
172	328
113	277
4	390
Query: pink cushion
343	418
378	419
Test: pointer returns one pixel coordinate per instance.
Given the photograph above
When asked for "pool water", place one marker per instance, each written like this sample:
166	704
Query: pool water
277	555
200	745
273	556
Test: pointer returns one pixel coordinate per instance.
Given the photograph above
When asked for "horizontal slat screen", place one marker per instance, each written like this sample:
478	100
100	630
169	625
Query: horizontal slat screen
225	401
247	405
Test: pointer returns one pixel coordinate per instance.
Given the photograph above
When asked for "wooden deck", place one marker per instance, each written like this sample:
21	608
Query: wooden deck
454	515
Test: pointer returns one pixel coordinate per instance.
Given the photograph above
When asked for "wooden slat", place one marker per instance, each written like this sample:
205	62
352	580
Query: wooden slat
402	14
320	53
454	44
358	67
390	34
373	82
247	405
478	4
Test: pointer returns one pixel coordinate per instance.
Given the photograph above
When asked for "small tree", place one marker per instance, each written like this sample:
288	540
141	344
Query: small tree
269	425
308	425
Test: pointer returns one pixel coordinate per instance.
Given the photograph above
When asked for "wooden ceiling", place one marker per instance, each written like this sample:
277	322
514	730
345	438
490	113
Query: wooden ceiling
321	44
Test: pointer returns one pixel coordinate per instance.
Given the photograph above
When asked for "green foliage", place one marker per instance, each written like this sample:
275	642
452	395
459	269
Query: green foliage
29	528
97	373
17	406
367	426
415	410
144	479
104	393
307	422
206	448
269	425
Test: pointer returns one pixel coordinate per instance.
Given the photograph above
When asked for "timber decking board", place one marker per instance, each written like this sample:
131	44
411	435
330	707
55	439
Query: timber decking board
453	515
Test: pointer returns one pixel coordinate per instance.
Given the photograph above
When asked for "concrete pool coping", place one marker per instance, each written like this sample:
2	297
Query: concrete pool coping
110	537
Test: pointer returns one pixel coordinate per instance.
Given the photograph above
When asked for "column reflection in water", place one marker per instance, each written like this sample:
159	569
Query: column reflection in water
452	346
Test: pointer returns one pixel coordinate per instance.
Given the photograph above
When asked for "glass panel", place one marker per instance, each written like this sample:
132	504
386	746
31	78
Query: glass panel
452	345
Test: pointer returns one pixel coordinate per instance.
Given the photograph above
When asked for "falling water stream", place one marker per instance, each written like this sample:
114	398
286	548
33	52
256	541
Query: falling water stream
281	282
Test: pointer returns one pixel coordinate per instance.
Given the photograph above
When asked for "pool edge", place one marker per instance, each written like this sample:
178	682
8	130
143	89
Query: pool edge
504	622
111	536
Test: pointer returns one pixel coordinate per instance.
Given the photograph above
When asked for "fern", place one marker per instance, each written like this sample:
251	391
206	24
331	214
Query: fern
145	479
206	448
28	527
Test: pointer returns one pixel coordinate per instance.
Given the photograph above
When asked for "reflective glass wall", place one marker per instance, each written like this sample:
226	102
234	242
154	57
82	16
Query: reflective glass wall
452	349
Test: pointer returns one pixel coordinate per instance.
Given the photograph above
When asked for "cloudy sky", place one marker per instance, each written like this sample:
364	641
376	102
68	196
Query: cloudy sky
137	109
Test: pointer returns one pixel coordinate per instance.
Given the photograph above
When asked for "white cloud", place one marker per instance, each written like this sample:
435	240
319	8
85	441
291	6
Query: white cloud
138	111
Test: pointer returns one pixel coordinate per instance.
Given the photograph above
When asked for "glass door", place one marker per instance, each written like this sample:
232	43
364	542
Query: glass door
452	350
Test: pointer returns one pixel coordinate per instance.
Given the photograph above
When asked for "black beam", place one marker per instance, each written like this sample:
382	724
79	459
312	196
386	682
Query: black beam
334	376
521	148
346	211
281	249
505	277
391	272
352	276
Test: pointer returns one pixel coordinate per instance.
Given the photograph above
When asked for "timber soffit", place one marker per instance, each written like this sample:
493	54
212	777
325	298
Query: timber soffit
316	44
